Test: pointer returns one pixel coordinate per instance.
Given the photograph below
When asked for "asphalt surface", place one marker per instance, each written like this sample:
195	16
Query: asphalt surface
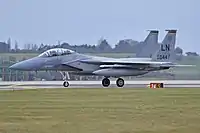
96	84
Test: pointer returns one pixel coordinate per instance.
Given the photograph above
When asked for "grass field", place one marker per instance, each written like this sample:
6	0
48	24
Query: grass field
100	111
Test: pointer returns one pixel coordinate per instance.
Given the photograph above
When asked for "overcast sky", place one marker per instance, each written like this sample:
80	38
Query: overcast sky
86	21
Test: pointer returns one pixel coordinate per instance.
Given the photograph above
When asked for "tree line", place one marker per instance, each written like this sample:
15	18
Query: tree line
123	46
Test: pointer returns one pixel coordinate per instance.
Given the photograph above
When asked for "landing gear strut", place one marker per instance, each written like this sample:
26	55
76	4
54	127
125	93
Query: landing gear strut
120	82
105	82
65	76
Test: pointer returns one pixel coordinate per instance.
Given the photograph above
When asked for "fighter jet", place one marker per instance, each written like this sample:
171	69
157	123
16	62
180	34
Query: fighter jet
66	60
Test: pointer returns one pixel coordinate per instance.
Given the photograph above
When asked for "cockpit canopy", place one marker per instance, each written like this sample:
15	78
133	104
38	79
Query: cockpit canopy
56	52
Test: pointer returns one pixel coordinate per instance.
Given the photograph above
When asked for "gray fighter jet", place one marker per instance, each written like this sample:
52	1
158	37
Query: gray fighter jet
65	60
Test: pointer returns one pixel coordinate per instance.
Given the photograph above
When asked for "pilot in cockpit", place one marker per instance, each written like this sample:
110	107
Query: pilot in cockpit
56	52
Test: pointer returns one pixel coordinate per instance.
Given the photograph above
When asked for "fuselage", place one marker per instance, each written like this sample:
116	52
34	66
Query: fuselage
73	63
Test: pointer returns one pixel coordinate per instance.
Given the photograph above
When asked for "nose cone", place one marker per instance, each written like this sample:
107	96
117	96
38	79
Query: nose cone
28	65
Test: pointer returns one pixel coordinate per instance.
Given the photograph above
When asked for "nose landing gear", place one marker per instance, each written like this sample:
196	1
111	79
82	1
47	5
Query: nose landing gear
65	76
65	83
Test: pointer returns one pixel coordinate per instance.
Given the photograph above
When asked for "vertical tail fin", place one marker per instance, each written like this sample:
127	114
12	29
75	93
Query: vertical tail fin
167	48
149	46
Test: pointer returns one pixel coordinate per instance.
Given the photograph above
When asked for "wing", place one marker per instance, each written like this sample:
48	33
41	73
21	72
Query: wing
117	63
122	62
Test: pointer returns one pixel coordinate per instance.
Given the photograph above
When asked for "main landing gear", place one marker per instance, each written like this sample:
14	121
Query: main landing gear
65	76
106	82
119	82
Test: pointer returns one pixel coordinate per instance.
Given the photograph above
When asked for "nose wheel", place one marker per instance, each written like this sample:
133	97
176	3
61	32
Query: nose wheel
105	82
120	82
65	83
65	76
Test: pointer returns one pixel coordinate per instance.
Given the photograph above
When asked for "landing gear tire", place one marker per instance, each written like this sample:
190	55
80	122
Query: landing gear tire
105	82
120	82
65	84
